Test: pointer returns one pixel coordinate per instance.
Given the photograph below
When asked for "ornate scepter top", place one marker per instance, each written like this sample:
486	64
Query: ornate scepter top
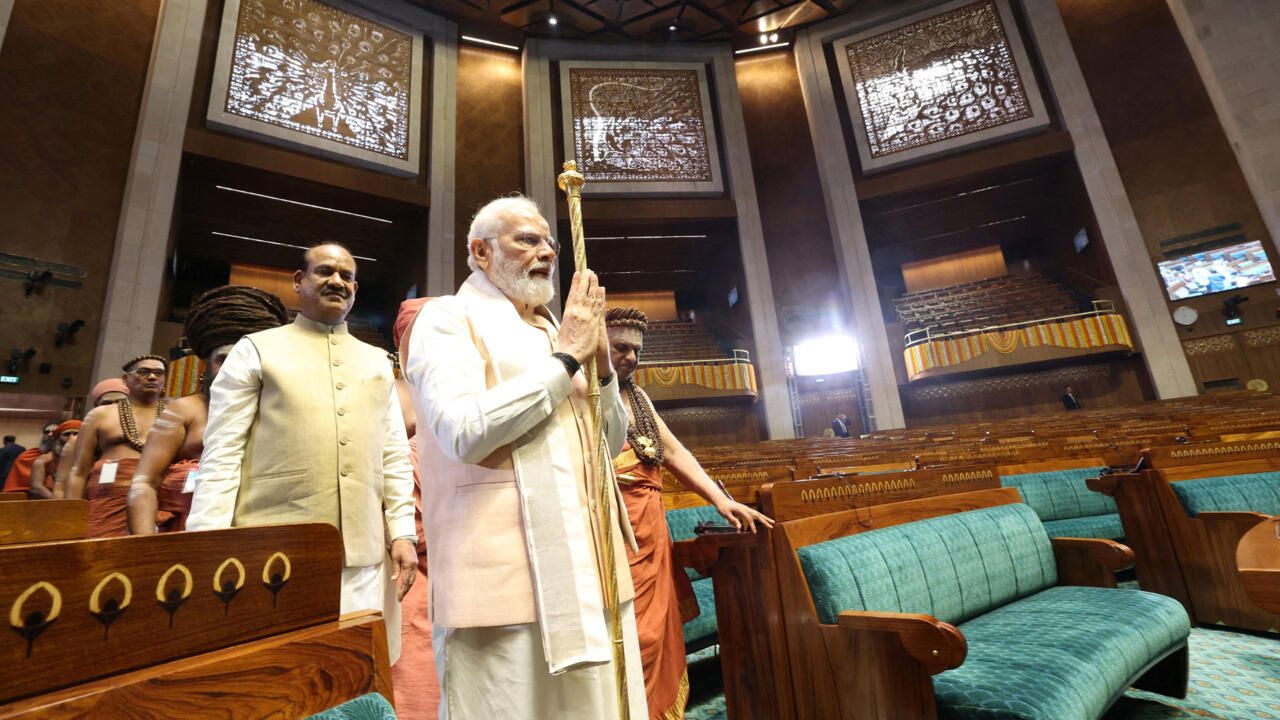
570	180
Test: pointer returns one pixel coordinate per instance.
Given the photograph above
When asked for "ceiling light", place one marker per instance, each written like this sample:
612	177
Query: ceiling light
491	43
672	28
744	51
764	38
773	37
303	204
552	20
277	244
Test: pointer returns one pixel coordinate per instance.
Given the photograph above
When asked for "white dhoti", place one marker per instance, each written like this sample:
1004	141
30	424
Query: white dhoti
500	672
371	588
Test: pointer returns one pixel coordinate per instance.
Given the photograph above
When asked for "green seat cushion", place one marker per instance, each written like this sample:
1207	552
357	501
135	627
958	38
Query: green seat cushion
1061	494
1107	527
366	707
703	626
682	521
953	567
1060	654
1255	492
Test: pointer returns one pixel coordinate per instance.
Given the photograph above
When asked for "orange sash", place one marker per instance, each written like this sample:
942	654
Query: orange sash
109	503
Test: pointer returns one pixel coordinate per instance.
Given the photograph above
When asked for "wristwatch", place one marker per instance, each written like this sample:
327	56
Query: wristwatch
571	364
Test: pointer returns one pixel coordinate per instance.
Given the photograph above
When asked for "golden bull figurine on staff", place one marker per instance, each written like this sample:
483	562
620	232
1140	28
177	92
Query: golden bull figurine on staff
571	182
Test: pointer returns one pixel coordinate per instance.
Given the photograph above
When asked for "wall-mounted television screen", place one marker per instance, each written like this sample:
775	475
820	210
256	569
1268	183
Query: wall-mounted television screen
1217	270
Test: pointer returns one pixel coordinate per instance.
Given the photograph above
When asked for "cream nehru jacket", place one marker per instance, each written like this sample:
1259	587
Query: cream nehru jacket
493	405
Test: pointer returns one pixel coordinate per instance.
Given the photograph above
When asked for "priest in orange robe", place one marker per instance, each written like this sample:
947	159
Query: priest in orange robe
651	447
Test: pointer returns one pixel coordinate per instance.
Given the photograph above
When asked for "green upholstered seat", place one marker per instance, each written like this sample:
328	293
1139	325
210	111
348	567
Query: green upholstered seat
1035	651
682	521
1062	495
1060	654
1106	527
953	567
1255	492
702	628
366	707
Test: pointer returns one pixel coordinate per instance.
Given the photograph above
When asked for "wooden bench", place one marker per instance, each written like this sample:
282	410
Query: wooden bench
227	623
33	521
873	637
1185	512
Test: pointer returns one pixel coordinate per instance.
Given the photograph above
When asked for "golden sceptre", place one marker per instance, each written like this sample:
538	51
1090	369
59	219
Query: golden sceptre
571	182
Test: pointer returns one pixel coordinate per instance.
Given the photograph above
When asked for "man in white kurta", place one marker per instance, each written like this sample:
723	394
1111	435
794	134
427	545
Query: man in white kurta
305	426
510	488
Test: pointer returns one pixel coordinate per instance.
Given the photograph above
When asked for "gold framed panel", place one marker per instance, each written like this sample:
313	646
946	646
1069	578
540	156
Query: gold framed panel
936	81
322	78
640	128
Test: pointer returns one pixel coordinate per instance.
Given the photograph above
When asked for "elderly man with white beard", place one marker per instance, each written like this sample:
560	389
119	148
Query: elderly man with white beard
510	484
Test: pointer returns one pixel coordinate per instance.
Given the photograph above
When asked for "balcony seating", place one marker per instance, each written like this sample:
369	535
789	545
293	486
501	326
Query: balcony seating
985	303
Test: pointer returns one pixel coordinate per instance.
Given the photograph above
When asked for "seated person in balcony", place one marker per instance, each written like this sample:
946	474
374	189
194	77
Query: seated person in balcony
651	447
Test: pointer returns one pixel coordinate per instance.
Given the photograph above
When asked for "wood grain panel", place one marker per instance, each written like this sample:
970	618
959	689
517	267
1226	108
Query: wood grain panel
490	136
89	608
291	676
956	269
33	521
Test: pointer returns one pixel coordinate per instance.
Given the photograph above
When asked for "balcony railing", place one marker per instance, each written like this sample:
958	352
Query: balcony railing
924	335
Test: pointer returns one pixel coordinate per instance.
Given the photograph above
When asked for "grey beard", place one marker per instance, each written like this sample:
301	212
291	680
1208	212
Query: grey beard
518	285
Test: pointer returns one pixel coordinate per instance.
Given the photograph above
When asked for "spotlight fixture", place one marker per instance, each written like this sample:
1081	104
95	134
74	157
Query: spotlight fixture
67	332
773	37
764	38
552	20
672	28
35	282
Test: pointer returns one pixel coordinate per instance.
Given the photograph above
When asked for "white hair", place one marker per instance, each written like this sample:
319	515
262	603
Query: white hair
491	220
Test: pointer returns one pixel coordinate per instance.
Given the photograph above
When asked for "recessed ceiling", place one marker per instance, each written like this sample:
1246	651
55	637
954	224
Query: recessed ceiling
738	21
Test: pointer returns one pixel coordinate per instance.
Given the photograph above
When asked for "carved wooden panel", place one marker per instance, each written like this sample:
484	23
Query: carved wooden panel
640	128
89	608
938	80
309	74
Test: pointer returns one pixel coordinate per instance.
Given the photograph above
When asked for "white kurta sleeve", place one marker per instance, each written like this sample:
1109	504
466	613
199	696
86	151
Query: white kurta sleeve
397	474
469	420
233	406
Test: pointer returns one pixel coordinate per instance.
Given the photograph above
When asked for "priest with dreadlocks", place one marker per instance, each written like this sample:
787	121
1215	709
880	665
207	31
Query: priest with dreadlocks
160	495
650	448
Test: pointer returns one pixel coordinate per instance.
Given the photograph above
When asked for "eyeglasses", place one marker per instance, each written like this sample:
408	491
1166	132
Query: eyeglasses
148	372
530	241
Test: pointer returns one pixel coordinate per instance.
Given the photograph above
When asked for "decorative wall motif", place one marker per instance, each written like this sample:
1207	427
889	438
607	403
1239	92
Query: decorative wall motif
1210	345
1262	337
946	74
1010	383
308	73
640	128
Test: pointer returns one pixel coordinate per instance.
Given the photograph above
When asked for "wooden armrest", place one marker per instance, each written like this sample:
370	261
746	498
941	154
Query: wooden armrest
934	644
694	554
1105	484
1248	519
1090	561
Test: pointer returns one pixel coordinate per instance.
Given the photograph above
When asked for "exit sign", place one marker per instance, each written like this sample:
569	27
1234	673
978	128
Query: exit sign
10	379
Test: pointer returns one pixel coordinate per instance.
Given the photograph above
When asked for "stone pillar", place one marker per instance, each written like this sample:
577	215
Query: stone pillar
845	220
142	236
1135	273
1233	44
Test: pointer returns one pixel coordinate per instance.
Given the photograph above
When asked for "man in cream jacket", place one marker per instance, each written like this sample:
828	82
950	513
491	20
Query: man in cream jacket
305	426
510	486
